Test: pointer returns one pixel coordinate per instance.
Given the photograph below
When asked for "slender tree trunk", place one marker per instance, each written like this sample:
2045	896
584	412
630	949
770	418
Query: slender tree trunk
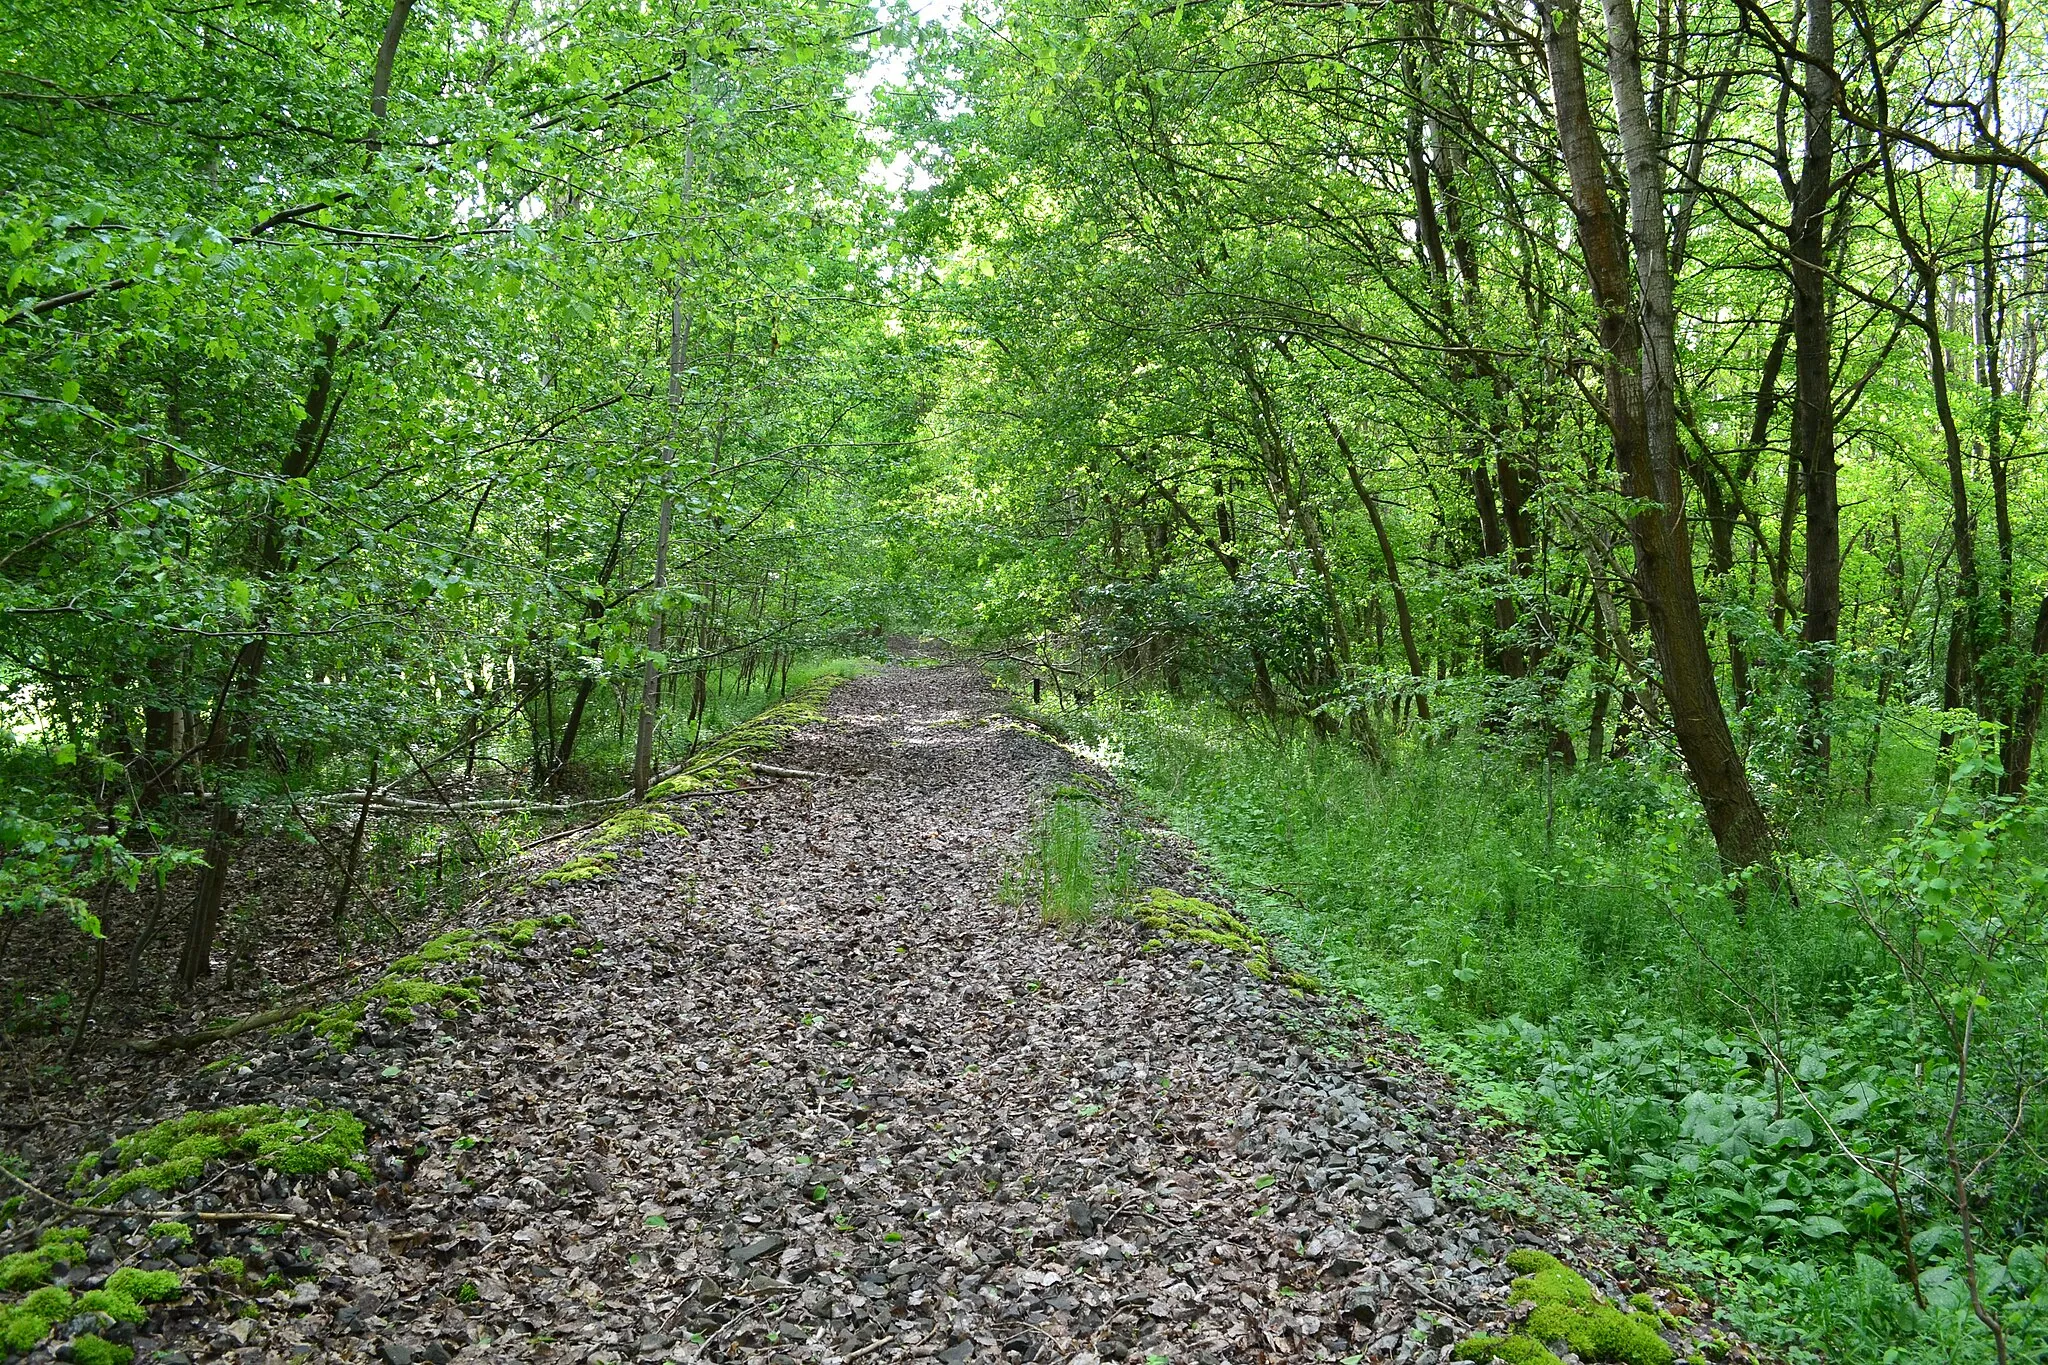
1402	616
1813	422
650	679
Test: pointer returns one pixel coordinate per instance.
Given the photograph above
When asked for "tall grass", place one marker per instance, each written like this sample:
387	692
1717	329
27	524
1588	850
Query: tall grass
1080	859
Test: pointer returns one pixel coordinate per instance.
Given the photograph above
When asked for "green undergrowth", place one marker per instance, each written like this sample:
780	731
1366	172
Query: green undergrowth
1567	950
1171	915
722	761
409	984
174	1154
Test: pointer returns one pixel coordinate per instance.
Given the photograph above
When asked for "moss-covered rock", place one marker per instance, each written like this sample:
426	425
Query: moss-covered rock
1565	1309
723	761
1168	914
146	1286
181	1233
28	1269
636	823
24	1325
1515	1350
174	1154
96	1350
414	982
115	1304
584	867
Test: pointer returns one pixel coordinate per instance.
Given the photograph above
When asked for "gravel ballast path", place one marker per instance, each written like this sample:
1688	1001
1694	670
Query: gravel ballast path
812	1092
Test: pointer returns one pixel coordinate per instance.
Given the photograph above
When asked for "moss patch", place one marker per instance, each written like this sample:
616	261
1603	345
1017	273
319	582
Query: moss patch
175	1153
637	823
169	1228
584	867
27	1269
148	1286
1515	1350
723	761
406	987
1565	1309
93	1350
1168	914
116	1305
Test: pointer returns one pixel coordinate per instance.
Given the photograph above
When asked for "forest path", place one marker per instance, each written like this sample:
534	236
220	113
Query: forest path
821	1097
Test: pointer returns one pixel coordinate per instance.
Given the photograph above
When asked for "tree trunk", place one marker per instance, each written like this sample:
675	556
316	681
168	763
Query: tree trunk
1402	616
650	679
1813	421
1642	416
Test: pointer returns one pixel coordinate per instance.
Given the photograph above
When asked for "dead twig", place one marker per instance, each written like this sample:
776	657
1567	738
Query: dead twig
230	1216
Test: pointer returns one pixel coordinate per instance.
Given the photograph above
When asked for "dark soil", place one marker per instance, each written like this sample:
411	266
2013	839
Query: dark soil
812	1092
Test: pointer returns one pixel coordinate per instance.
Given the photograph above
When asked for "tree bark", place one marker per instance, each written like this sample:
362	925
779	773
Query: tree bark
650	679
1813	422
1641	411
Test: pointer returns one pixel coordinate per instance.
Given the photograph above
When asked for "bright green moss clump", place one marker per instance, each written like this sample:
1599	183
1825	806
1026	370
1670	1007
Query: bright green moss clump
1515	1350
145	1286
92	1350
1172	915
175	1153
1566	1309
27	1269
24	1325
637	823
584	867
115	1304
171	1228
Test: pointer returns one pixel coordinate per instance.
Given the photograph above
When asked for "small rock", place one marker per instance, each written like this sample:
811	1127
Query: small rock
756	1249
395	1353
958	1353
596	1182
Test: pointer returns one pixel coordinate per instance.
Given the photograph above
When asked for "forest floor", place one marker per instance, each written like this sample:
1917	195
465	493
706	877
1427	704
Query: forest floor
802	1086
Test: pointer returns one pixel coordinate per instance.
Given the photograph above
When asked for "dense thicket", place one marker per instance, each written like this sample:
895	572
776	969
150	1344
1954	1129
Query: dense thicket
394	388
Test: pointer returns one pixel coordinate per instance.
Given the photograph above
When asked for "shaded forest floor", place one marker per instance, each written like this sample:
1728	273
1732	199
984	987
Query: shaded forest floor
802	1086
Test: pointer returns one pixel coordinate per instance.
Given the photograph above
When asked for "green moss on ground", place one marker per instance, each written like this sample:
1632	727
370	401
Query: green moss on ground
228	1267
723	762
171	1228
1169	914
115	1304
24	1325
95	1350
405	988
149	1286
1515	1350
1565	1309
28	1269
174	1154
636	823
584	867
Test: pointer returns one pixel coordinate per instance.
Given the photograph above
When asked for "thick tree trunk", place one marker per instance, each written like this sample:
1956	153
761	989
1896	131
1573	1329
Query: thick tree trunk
1641	412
